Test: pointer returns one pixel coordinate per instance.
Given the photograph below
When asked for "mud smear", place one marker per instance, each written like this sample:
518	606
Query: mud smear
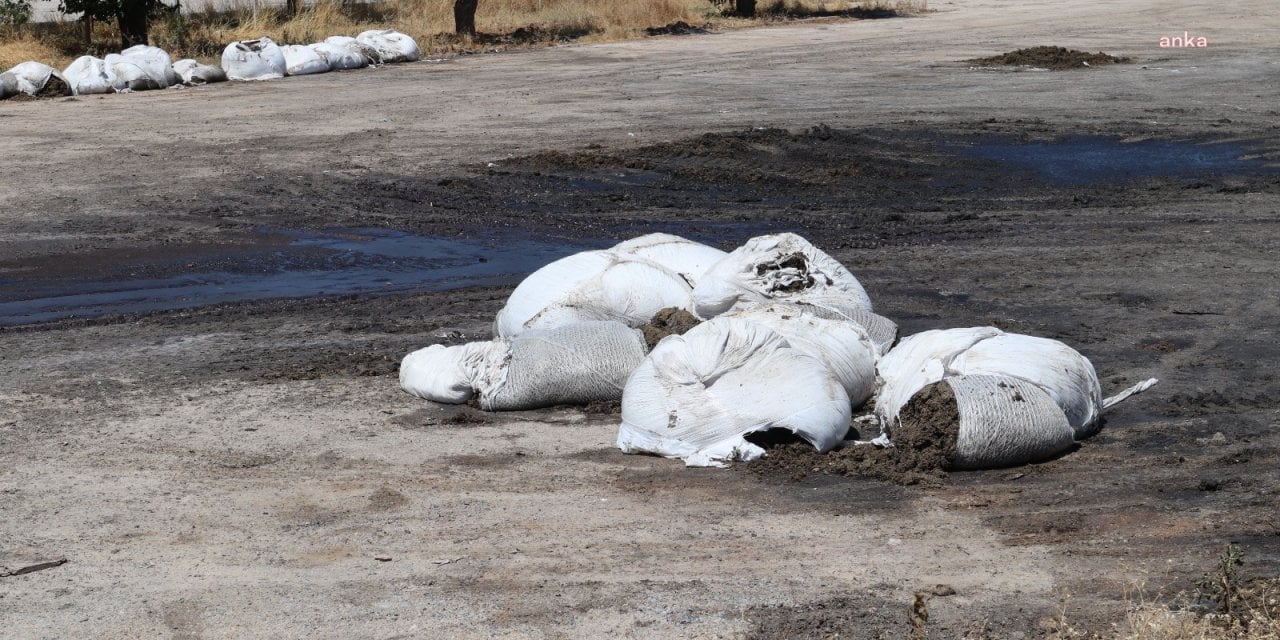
1052	58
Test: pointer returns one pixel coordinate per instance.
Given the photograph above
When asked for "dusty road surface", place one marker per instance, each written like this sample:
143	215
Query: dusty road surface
205	293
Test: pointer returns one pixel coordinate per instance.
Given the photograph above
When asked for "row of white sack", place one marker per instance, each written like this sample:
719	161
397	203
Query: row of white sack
763	363
144	68
263	59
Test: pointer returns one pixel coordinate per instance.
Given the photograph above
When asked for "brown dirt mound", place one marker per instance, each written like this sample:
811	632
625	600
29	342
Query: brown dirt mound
666	322
677	28
55	87
923	447
1053	58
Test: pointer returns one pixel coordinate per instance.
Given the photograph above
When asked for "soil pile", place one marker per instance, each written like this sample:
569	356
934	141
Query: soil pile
667	322
924	445
1052	58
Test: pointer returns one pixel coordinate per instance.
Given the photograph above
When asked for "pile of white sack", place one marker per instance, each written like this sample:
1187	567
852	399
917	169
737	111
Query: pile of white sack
787	339
263	59
144	68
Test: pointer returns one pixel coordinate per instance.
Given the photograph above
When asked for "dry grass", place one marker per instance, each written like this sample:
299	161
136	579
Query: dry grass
203	34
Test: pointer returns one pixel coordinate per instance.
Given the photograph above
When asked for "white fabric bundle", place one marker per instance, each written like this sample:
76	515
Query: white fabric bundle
842	345
592	285
344	52
783	267
193	73
391	45
259	59
89	75
32	78
697	395
300	60
687	258
574	364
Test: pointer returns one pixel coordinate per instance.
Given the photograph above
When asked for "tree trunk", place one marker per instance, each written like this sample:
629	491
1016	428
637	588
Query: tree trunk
291	7
133	23
464	17
88	31
745	8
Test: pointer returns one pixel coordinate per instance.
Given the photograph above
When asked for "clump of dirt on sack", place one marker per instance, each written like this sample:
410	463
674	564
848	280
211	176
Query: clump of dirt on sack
924	445
1052	58
671	321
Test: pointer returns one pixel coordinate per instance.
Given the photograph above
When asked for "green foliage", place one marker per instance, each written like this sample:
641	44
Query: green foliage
1219	587
15	12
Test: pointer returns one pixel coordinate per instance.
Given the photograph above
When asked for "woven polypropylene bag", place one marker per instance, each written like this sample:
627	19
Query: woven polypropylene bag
259	59
593	285
1005	422
685	257
783	267
391	45
697	395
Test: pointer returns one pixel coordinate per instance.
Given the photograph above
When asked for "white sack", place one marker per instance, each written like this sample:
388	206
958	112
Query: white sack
391	45
259	59
155	61
300	60
688	258
575	364
90	75
1060	371
882	331
843	346
1005	421
698	394
193	73
783	267
8	85
33	77
340	57
592	285
364	53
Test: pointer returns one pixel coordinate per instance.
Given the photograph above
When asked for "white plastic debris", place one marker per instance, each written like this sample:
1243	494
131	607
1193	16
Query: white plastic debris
194	73
345	52
391	45
782	267
89	75
592	285
300	60
687	258
696	396
259	59
842	345
574	364
34	78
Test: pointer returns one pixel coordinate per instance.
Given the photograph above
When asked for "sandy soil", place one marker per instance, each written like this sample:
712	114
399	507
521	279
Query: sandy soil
252	470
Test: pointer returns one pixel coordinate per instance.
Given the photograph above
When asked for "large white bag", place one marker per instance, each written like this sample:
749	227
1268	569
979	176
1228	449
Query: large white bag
300	60
352	53
783	267
8	85
574	364
259	59
35	78
697	395
995	421
1060	371
194	73
687	258
842	345
89	75
592	285
391	45
155	61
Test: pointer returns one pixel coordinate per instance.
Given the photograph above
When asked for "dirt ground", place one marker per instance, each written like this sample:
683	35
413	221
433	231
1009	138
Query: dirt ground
252	469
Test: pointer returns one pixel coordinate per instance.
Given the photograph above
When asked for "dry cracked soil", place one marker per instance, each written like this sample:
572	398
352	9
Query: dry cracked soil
204	295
